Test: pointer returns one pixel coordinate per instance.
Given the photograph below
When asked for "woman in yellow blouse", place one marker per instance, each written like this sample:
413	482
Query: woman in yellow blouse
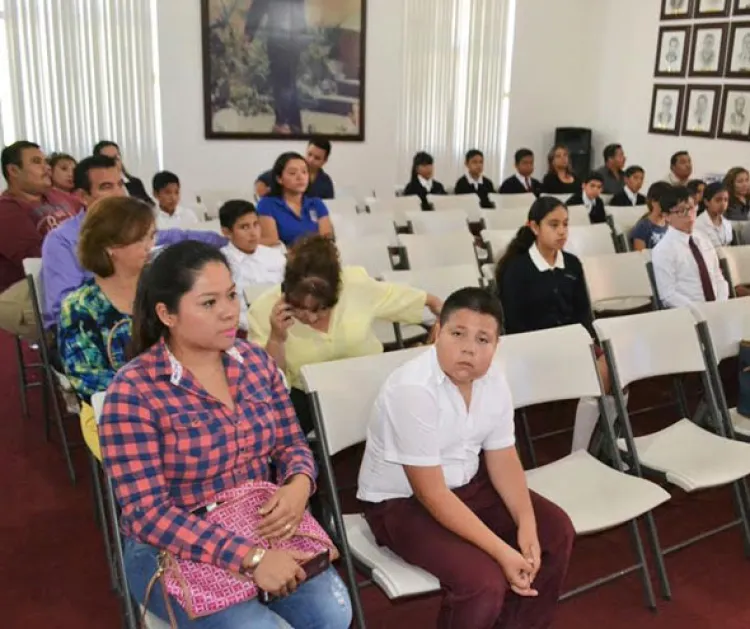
327	313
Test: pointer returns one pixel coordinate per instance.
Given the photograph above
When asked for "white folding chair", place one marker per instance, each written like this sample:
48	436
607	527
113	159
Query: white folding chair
370	252
737	264
353	226
666	343
469	203
606	198
498	241
341	413
346	206
429	251
723	325
560	197
559	364
623	219
510	201
578	215
132	614
213	199
508	218
590	240
437	222
617	282
252	292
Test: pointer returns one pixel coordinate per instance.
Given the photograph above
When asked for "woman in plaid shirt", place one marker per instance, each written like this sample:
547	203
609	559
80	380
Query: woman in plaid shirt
198	412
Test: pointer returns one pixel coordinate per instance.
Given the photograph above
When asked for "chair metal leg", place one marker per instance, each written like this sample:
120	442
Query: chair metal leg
739	501
130	614
101	516
58	420
648	589
22	378
528	441
661	569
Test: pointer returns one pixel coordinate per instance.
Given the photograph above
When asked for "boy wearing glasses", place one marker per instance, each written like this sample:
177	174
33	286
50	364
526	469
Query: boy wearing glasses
686	266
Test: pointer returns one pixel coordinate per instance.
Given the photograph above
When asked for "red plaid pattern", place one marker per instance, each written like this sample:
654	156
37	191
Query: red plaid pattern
170	447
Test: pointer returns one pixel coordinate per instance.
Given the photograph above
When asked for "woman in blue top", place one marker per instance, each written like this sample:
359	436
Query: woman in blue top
286	214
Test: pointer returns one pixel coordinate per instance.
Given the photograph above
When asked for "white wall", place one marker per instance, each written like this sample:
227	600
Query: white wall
625	80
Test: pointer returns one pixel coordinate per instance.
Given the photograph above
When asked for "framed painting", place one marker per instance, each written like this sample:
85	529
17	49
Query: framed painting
708	50
741	7
676	9
734	122
701	110
288	69
672	51
738	62
666	109
711	8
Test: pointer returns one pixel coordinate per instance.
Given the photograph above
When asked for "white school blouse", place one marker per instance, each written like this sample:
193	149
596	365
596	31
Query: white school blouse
420	419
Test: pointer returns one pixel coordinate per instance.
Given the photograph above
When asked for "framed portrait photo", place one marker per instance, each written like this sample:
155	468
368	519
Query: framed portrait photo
281	70
734	121
666	109
741	7
701	110
676	9
738	61
672	51
708	50
711	8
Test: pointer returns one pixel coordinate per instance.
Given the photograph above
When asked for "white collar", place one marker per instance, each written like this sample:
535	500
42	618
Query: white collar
633	196
425	183
541	264
239	254
523	179
177	368
474	182
586	201
679	234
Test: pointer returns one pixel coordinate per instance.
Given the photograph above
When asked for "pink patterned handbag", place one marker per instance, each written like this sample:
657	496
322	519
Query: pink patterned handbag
203	589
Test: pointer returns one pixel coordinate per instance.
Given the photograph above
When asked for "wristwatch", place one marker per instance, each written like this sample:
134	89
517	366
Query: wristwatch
255	560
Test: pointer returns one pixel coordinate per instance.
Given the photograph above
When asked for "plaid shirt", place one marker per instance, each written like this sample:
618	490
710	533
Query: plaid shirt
170	447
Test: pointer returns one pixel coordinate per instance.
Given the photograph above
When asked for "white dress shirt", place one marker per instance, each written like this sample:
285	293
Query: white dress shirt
420	419
265	266
526	181
182	216
632	196
676	271
474	183
719	235
541	264
425	183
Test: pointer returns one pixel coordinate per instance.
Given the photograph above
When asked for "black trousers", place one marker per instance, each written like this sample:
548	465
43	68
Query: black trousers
303	409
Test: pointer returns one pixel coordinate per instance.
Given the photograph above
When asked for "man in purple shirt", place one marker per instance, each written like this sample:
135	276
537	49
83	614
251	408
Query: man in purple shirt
95	177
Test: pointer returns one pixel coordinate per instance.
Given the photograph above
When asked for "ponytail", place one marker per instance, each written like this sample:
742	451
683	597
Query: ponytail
147	328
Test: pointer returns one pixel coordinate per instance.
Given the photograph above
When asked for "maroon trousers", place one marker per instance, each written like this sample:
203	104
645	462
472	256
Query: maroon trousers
476	594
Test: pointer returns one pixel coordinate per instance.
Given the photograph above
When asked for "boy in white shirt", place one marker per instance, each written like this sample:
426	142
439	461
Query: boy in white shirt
170	214
500	551
251	262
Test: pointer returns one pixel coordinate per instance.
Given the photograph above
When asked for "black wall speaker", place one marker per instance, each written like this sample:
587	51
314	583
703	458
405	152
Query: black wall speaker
578	141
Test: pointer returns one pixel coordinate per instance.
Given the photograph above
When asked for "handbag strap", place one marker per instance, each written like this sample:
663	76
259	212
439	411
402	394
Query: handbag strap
158	576
110	340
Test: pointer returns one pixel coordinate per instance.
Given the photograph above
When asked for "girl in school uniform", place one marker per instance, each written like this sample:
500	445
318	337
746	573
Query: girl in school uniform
560	178
541	286
422	183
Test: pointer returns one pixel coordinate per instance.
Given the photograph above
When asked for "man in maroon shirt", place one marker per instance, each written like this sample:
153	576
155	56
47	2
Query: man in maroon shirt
29	209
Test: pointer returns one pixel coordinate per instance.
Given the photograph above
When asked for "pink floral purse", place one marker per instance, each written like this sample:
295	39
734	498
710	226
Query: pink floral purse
203	589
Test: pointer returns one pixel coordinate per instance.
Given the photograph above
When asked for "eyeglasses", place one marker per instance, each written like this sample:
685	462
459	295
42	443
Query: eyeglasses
682	211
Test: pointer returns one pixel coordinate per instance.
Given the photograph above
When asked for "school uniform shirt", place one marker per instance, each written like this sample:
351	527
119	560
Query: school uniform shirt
482	186
538	296
264	266
179	218
595	207
420	187
720	235
290	226
676	271
552	184
350	334
738	211
613	183
321	187
517	184
627	198
647	231
420	419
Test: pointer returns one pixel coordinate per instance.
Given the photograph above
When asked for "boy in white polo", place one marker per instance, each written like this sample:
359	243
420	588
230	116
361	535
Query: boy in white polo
443	485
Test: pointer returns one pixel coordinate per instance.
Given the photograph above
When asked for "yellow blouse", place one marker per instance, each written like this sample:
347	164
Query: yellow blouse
361	301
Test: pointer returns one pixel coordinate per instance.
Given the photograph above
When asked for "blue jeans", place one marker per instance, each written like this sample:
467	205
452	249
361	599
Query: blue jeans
321	603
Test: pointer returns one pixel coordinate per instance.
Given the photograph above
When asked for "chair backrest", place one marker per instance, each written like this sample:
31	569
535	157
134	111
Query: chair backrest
469	203
441	284
437	222
561	197
97	403
396	204
549	365
33	267
510	201
341	205
498	239
590	240
253	291
213	199
578	215
625	218
616	276
738	263
429	251
370	252
606	198
346	409
652	344
353	226
507	218
728	324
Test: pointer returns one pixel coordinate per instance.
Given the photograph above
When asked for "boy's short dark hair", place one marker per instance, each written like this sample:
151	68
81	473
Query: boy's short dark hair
593	176
81	179
610	151
322	143
634	170
676	156
475	299
234	210
163	179
657	190
693	185
474	153
673	197
522	154
12	155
